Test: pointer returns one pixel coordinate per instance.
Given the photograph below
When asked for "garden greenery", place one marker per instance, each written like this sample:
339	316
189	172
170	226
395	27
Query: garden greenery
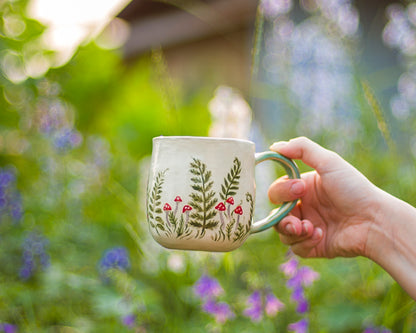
75	251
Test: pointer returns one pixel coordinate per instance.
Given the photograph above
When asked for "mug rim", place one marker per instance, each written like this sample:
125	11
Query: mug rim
201	138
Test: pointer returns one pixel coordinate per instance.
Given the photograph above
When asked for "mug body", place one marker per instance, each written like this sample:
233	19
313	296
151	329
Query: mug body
201	192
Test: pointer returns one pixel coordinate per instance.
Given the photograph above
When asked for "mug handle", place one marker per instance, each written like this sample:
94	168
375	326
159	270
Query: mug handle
277	214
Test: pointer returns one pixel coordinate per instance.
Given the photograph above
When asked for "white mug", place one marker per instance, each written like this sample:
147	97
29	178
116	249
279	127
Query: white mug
201	192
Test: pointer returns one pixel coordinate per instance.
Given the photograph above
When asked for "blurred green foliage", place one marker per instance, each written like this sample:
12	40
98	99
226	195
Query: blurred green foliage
77	140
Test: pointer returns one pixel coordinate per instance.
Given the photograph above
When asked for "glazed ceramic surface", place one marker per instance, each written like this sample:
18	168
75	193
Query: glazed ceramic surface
201	192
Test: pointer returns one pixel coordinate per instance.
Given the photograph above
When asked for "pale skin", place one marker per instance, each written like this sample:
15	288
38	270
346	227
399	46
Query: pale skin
342	214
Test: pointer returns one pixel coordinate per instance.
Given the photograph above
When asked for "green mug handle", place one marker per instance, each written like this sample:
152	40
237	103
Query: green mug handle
277	214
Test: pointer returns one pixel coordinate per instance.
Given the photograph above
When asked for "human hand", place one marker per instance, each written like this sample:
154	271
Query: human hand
337	207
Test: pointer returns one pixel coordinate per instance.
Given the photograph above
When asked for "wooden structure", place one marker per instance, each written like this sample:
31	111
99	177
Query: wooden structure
209	40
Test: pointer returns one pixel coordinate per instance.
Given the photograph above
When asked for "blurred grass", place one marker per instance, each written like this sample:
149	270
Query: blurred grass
84	207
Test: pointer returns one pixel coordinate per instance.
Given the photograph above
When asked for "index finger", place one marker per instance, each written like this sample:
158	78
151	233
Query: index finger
311	153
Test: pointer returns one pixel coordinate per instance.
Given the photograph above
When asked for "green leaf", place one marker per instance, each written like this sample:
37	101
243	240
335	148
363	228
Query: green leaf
231	181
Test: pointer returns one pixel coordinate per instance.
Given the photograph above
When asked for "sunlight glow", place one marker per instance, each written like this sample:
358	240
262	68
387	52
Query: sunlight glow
72	22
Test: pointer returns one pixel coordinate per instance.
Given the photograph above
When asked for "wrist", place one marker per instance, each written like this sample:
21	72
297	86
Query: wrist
380	230
391	237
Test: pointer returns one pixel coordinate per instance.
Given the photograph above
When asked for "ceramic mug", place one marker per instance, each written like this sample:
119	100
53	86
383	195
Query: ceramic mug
201	192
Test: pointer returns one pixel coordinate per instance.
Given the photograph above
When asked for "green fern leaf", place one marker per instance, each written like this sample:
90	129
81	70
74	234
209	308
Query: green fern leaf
231	182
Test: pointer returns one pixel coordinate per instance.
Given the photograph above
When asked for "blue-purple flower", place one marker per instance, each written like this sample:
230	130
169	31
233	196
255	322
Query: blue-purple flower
220	310
290	267
10	198
299	277
300	326
307	275
207	287
8	328
257	305
273	305
116	257
66	139
34	255
129	321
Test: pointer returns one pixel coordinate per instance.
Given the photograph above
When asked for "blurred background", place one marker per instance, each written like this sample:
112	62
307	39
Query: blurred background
85	85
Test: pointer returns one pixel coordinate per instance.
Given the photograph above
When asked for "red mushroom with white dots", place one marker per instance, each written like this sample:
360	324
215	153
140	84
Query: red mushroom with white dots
167	208
186	209
230	202
239	211
221	208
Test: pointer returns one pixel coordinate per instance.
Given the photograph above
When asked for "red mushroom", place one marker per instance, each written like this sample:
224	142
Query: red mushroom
230	202
178	199
239	211
221	207
167	208
186	210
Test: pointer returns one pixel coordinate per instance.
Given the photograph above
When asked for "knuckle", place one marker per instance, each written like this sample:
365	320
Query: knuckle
301	140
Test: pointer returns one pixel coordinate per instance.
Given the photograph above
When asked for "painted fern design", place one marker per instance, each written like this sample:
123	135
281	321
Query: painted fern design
178	227
232	181
242	230
183	230
229	229
220	235
249	199
154	209
202	199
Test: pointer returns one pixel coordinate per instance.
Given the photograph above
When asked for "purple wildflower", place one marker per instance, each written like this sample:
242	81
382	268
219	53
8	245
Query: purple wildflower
295	281
303	306
129	321
10	198
220	310
370	330
255	309
298	294
116	257
8	328
34	255
207	287
6	178
299	327
290	267
307	275
67	138
273	305
298	278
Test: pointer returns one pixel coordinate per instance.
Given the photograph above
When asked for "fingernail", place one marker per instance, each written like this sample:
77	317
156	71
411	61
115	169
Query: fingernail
278	145
298	188
317	234
289	228
304	229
